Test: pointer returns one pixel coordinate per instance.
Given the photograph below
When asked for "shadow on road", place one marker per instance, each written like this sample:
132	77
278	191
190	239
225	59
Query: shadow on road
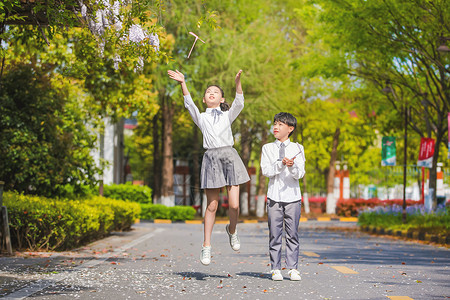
255	275
198	275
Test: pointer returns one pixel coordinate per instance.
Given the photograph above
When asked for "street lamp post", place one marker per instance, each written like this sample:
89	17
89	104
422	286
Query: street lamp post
404	165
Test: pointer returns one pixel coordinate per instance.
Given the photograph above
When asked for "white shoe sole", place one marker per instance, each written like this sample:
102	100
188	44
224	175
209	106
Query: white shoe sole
236	247
277	279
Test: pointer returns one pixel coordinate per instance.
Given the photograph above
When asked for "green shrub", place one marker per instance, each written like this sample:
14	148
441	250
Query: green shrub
125	213
135	193
154	211
45	142
417	218
42	223
70	191
39	223
178	213
159	211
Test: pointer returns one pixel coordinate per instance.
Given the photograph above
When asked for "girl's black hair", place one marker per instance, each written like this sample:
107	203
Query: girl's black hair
223	106
286	118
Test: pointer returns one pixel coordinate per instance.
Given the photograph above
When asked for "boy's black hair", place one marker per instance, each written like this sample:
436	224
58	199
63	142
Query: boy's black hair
224	106
286	118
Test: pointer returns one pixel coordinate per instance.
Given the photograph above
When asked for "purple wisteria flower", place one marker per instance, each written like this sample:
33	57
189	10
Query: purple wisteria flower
108	16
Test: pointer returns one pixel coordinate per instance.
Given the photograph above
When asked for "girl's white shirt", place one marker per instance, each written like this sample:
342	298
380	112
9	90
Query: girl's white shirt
283	180
215	134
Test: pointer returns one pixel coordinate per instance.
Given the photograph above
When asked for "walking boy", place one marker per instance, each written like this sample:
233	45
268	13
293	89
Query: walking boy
284	163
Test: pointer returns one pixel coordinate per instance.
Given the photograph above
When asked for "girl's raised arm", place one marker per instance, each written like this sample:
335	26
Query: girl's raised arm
238	82
178	76
238	103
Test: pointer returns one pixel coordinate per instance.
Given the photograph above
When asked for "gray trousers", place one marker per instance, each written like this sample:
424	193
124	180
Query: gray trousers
289	214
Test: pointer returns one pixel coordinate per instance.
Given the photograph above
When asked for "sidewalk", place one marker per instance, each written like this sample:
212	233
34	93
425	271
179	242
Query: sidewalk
23	268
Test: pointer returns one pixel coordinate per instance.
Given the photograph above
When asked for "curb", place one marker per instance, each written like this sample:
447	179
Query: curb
416	235
319	219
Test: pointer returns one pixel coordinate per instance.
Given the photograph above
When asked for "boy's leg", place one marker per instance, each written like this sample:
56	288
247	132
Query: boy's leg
275	222
291	220
212	197
233	206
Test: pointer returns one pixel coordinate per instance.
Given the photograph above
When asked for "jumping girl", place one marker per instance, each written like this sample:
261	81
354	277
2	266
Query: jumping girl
221	165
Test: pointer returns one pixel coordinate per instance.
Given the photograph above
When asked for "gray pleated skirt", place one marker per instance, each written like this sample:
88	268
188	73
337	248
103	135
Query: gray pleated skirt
222	167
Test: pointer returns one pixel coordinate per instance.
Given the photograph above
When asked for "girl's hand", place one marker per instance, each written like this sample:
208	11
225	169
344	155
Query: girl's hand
176	75
238	82
238	77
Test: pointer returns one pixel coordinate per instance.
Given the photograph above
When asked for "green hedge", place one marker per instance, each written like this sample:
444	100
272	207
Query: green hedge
39	223
135	193
159	211
125	213
417	219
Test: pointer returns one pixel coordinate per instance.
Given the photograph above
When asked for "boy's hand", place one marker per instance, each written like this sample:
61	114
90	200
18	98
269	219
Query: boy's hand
176	75
288	162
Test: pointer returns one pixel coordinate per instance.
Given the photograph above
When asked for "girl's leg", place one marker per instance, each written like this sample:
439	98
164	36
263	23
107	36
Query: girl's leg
233	206
212	197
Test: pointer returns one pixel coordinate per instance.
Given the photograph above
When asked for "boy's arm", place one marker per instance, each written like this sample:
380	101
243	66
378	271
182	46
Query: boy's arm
268	168
297	170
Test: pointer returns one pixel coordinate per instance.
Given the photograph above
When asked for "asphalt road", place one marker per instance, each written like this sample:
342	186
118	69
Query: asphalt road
161	261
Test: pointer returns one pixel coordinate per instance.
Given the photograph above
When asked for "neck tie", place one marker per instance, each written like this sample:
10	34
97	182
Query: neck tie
216	113
282	151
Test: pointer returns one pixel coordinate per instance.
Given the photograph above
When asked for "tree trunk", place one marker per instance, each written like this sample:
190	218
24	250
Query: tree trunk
245	154
433	170
262	178
246	143
305	191
331	202
156	160
261	181
196	167
168	197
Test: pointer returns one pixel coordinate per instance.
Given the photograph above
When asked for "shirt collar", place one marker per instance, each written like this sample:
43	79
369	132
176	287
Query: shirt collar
209	109
286	143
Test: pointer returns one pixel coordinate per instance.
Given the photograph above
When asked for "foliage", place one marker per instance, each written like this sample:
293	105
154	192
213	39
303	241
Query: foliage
159	211
128	192
125	212
418	219
39	223
111	30
389	50
45	141
72	192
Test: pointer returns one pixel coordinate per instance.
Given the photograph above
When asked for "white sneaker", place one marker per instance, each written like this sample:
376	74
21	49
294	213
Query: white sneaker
205	256
295	275
234	239
276	275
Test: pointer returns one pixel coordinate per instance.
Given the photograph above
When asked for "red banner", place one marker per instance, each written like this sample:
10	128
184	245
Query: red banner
426	153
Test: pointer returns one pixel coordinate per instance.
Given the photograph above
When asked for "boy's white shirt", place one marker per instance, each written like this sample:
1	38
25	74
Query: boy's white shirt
217	134
283	180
